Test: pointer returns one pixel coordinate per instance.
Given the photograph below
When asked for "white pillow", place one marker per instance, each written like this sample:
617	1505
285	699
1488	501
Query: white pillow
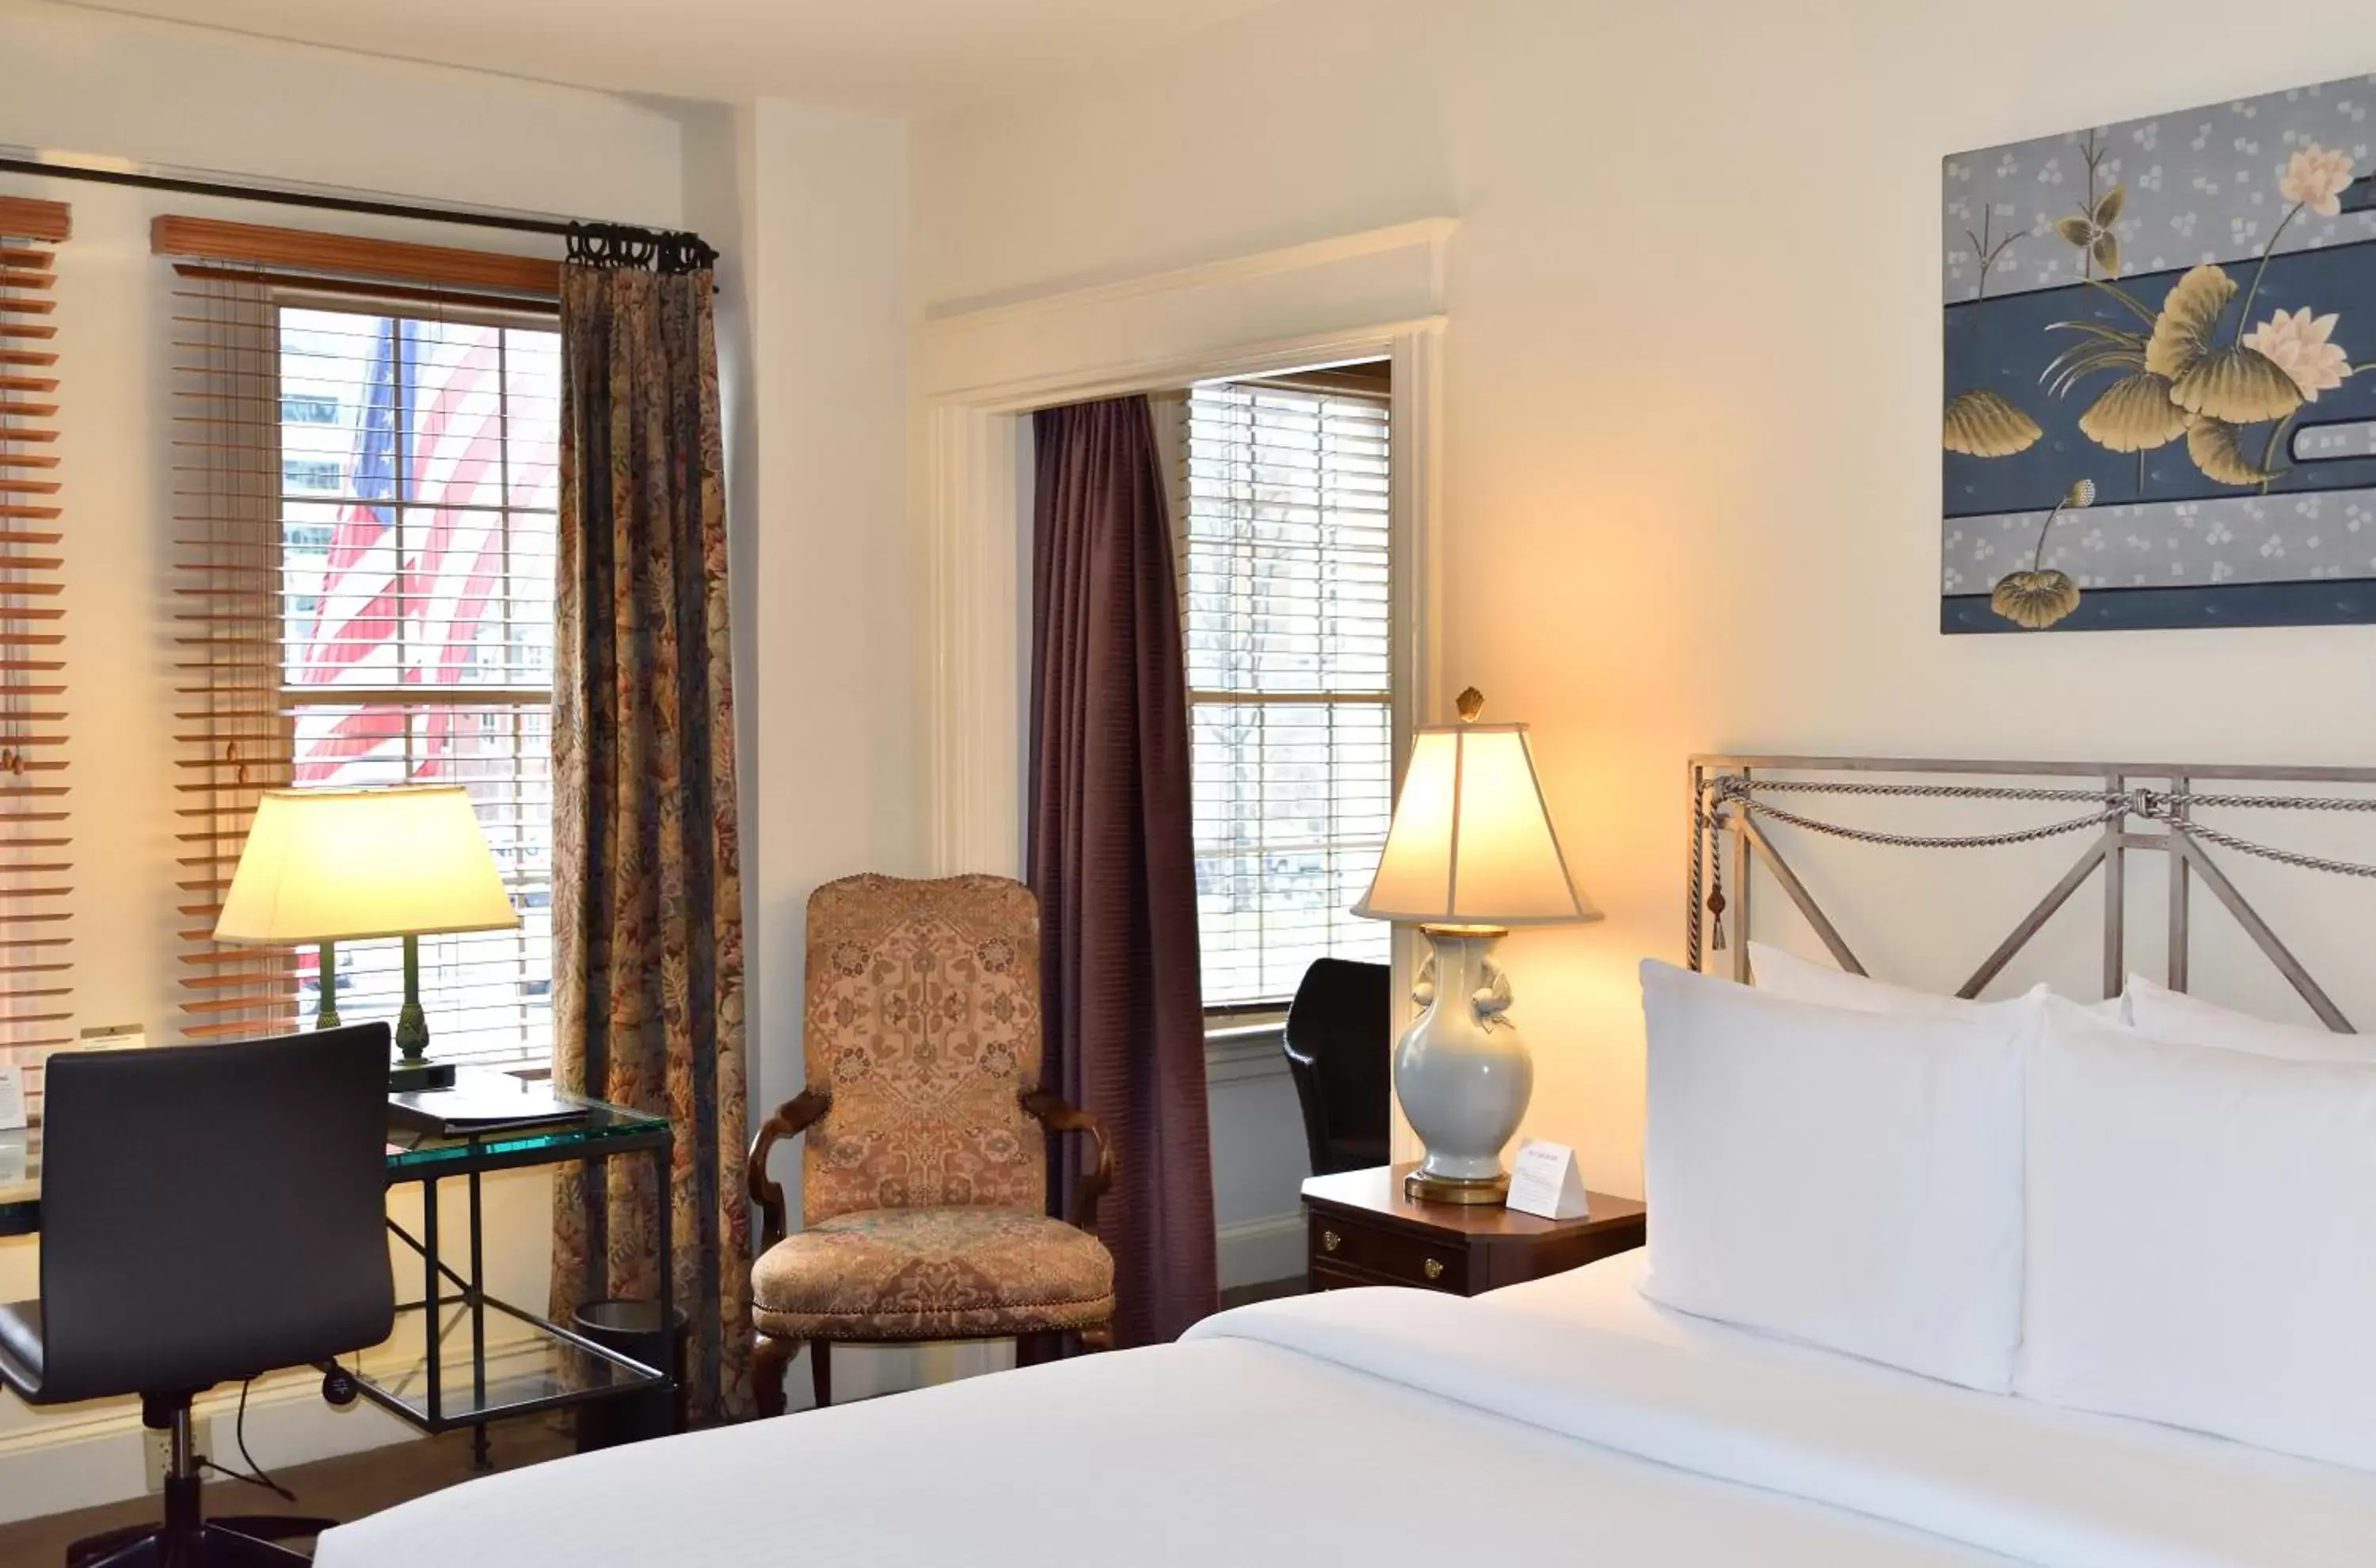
2163	1014
1851	1179
1786	974
2203	1238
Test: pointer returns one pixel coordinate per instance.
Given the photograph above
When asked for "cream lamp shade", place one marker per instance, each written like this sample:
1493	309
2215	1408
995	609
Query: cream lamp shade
341	865
1472	843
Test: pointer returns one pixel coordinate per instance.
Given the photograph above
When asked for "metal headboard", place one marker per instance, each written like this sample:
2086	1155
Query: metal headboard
2119	808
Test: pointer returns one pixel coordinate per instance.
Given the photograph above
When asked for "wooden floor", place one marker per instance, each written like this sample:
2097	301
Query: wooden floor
356	1484
346	1488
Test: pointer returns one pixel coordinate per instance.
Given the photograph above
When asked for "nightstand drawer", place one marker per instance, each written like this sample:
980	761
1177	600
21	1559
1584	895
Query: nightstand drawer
1361	1228
1389	1258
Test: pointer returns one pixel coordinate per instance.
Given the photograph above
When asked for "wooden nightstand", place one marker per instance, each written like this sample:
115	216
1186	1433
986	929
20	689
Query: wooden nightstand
1359	1229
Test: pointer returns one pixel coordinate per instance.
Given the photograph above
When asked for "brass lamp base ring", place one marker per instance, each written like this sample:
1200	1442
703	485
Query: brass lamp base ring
1419	1187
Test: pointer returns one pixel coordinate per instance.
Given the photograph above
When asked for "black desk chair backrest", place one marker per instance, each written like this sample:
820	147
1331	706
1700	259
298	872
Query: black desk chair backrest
212	1212
1340	1047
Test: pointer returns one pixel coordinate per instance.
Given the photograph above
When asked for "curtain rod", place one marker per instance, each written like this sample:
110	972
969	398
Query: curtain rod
466	217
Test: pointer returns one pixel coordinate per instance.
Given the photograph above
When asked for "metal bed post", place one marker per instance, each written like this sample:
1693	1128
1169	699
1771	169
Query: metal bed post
1744	863
2182	785
2115	891
1693	883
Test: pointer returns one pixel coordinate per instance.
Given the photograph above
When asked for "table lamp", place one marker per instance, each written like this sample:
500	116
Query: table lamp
1470	854
344	866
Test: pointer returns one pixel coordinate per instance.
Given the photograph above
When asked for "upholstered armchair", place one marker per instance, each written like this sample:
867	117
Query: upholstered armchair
924	1175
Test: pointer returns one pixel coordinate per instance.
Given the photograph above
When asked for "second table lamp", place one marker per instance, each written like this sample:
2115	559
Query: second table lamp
346	865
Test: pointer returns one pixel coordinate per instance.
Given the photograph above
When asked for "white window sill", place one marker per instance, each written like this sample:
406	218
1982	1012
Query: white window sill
1240	1047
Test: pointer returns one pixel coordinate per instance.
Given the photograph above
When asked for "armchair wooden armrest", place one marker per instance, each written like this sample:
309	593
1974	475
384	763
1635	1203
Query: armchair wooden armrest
791	1118
1050	1111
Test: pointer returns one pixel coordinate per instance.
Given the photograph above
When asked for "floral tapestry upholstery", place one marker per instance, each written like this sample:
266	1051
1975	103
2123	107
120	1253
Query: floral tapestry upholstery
648	891
931	1274
924	1026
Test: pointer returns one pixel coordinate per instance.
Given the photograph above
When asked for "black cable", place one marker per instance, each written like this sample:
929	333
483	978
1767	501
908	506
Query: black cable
256	1475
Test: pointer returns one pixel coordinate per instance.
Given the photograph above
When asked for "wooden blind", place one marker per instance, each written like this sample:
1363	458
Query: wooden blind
365	588
349	257
1287	561
36	862
232	741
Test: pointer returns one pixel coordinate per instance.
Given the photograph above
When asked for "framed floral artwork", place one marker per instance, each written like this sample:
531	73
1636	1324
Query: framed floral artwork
2153	416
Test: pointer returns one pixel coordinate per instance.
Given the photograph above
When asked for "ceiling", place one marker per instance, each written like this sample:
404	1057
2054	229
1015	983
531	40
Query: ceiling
893	57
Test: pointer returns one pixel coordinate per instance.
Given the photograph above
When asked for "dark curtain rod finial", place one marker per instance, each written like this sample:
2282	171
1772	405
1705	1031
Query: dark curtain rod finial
617	245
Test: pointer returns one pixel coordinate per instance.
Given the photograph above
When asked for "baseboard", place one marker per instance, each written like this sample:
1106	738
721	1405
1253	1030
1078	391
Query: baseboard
93	1455
1254	1251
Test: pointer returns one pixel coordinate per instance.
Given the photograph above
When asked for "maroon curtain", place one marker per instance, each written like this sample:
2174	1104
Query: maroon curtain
1111	859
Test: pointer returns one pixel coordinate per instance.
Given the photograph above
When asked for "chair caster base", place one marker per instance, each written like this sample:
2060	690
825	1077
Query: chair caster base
211	1545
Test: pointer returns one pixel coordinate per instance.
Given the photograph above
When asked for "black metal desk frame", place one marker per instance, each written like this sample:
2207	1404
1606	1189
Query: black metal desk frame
471	1160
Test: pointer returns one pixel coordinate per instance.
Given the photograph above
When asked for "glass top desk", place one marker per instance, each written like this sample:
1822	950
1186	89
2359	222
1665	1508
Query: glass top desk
420	1375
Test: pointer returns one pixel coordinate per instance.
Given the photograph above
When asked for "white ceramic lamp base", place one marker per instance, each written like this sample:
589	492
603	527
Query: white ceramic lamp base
1461	1071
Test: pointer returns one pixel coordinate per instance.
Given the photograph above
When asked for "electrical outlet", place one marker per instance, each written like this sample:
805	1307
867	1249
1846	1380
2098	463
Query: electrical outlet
156	1449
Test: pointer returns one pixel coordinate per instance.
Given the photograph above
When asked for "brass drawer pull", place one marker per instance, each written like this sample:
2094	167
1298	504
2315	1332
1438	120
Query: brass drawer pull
1433	1269
1330	1241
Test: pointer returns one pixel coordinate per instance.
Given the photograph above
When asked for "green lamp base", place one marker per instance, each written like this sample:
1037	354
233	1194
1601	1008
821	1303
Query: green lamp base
413	1070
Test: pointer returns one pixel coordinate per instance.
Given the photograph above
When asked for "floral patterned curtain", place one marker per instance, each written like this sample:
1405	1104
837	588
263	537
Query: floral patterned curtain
648	924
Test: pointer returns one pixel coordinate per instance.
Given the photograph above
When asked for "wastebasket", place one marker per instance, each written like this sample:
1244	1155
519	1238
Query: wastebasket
631	1329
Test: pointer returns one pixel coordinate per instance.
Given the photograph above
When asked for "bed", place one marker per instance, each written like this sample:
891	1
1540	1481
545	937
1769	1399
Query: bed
1576	1418
1569	1419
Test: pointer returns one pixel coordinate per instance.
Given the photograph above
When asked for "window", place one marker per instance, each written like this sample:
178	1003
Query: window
1286	573
416	546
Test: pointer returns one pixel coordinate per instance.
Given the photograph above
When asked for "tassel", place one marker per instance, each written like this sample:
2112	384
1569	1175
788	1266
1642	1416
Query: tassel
1715	905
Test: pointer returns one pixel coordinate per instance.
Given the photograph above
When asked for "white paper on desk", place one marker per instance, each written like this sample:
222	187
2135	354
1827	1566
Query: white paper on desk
12	1098
1543	1181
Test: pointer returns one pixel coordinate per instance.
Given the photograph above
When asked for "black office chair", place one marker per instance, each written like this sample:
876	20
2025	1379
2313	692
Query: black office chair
209	1213
1340	1046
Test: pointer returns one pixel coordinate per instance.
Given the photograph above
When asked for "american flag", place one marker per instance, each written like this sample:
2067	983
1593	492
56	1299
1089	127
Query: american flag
406	590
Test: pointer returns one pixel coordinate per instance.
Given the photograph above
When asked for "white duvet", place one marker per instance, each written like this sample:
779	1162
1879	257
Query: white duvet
1569	1419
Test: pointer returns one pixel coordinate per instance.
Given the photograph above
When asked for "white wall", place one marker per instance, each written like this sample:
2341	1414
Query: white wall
831	600
1691	473
91	83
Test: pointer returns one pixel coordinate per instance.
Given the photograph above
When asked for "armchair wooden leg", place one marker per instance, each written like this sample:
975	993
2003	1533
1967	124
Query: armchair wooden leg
1097	1336
821	1371
769	1358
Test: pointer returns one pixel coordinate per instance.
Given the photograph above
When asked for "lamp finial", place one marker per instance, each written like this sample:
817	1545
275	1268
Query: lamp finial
1470	702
